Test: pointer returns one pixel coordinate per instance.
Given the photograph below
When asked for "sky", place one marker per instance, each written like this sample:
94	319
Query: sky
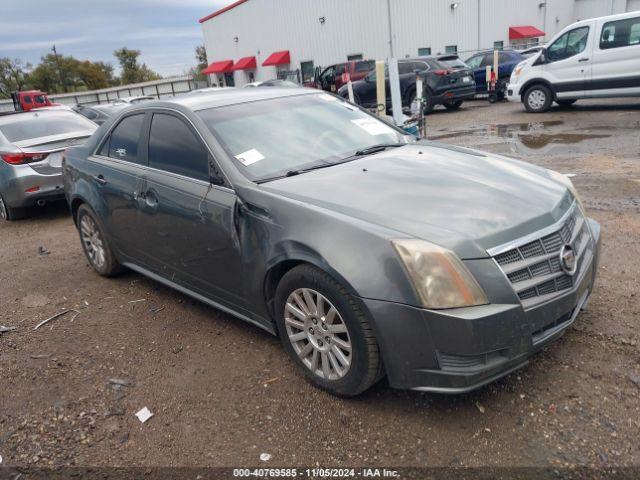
165	31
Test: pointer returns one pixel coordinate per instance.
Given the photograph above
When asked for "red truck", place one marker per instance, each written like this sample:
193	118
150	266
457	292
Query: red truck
30	99
334	76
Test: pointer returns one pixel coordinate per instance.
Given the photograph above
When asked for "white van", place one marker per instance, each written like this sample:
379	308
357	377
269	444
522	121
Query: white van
595	58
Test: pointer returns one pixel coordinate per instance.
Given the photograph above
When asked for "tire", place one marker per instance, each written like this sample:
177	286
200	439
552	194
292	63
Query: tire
429	105
350	371
95	244
537	99
566	103
453	106
9	214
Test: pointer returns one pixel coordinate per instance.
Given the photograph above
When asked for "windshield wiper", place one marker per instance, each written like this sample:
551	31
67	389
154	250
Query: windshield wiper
377	148
293	173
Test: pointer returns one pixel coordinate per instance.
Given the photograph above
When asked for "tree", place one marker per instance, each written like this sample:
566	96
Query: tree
201	57
13	76
131	70
59	73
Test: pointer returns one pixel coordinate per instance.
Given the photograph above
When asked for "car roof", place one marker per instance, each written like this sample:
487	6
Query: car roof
231	96
22	116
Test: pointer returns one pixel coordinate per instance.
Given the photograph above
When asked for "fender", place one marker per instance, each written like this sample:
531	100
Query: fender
534	81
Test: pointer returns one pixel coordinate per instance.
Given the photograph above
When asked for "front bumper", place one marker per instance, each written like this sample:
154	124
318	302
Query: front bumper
513	93
458	350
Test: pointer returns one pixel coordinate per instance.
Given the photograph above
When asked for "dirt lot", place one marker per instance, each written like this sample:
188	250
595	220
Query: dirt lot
224	392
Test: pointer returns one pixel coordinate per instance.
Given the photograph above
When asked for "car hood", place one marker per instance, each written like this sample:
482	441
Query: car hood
460	199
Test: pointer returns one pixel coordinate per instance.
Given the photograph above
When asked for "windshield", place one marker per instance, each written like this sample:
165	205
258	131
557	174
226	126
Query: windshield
269	138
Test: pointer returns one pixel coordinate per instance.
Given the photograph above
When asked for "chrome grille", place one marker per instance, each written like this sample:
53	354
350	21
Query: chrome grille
533	265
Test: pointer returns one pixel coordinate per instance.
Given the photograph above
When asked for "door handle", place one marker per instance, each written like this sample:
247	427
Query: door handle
583	60
99	179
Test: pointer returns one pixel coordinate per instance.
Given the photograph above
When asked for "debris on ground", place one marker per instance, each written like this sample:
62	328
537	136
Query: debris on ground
140	300
57	315
43	252
156	309
480	407
118	382
271	380
4	329
265	457
40	356
144	414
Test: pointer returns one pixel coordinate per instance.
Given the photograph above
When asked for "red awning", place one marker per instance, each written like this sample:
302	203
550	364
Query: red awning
278	58
219	67
526	31
246	63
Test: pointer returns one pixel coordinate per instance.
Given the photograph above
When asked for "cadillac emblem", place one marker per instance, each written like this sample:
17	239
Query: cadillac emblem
568	261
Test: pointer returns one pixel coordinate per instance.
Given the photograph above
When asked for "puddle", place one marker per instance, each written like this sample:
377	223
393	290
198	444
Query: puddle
523	136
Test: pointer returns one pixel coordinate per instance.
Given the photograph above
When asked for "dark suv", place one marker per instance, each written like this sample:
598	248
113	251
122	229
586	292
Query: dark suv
442	85
507	61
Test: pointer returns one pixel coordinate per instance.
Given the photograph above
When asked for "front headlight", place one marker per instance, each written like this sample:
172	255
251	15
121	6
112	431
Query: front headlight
566	181
438	275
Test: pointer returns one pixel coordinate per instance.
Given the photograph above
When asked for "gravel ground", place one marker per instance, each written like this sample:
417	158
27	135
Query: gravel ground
223	392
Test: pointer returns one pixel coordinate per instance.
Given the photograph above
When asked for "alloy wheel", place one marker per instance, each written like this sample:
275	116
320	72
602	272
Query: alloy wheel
318	334
92	241
537	99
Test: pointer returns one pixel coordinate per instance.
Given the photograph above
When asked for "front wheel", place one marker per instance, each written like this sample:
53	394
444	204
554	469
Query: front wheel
326	333
537	99
95	245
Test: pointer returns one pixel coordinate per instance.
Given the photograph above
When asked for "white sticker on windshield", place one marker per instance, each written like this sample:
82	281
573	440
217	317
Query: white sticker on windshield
250	157
373	126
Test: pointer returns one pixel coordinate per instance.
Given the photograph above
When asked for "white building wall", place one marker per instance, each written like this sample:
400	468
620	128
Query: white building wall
260	27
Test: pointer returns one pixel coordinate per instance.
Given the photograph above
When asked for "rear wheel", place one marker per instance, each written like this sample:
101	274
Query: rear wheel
451	106
324	330
428	104
8	213
95	245
537	99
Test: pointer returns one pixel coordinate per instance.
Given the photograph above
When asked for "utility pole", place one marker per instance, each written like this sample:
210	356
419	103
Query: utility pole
390	29
55	54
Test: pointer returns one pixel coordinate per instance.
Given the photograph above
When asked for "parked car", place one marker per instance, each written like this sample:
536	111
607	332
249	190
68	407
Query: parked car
135	99
333	77
369	254
276	82
452	61
507	61
99	113
442	86
31	146
595	58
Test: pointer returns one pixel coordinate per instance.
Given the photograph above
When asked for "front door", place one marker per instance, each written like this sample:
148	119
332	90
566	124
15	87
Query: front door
186	222
569	62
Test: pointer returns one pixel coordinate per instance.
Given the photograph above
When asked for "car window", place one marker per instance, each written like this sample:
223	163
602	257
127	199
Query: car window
420	66
474	62
621	33
406	67
90	114
32	125
175	148
27	99
123	142
569	44
39	99
504	58
364	66
487	59
340	69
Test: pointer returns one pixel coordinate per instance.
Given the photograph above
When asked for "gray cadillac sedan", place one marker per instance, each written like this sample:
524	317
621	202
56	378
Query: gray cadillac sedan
368	253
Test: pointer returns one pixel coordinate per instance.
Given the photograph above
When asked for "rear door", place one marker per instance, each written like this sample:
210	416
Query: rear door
568	64
615	69
187	223
116	175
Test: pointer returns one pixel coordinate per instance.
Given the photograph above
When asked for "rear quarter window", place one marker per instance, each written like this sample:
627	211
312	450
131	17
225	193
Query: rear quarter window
29	126
621	33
